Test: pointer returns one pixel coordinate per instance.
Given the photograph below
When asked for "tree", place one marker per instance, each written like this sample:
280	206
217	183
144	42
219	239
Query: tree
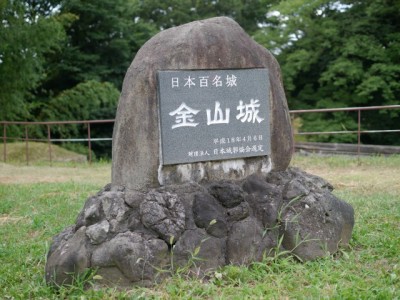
87	100
165	14
25	40
339	54
102	41
90	100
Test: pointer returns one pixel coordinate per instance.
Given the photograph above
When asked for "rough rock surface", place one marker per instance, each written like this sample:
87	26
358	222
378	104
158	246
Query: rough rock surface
217	43
129	236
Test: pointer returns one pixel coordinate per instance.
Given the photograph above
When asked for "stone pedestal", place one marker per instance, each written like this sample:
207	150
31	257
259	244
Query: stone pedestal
130	236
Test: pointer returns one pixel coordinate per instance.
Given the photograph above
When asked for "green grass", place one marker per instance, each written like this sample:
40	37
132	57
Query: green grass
32	211
38	153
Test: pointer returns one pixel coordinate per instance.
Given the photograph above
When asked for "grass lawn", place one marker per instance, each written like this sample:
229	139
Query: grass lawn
37	202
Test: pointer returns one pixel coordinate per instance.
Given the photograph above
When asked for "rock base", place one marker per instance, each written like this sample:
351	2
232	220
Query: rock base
129	236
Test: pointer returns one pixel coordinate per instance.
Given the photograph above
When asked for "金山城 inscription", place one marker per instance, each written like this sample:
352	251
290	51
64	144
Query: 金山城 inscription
213	114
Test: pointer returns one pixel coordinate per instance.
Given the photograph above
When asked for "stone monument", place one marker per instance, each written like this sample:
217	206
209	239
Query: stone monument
201	148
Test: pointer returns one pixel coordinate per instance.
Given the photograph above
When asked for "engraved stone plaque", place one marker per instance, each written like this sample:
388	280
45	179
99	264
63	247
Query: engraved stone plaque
210	115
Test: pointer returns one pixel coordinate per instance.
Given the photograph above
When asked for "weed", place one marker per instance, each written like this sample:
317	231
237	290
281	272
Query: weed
369	270
189	268
80	283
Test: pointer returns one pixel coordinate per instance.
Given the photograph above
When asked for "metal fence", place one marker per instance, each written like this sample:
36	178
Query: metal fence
89	138
49	140
359	131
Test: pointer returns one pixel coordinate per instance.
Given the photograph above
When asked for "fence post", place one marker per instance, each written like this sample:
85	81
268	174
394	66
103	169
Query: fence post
292	118
49	142
359	134
27	146
89	144
5	142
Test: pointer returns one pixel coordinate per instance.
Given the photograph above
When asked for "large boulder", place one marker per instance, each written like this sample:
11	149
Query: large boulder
217	43
203	215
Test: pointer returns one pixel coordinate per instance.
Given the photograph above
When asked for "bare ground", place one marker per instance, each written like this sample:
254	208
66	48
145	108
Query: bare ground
351	174
17	174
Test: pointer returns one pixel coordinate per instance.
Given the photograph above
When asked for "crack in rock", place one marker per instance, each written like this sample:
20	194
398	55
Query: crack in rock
163	213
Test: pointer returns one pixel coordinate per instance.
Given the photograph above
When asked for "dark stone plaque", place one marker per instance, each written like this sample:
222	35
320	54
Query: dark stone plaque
213	114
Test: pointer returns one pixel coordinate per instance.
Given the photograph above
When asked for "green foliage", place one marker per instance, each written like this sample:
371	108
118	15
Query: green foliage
25	40
165	14
102	41
338	54
332	53
89	100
